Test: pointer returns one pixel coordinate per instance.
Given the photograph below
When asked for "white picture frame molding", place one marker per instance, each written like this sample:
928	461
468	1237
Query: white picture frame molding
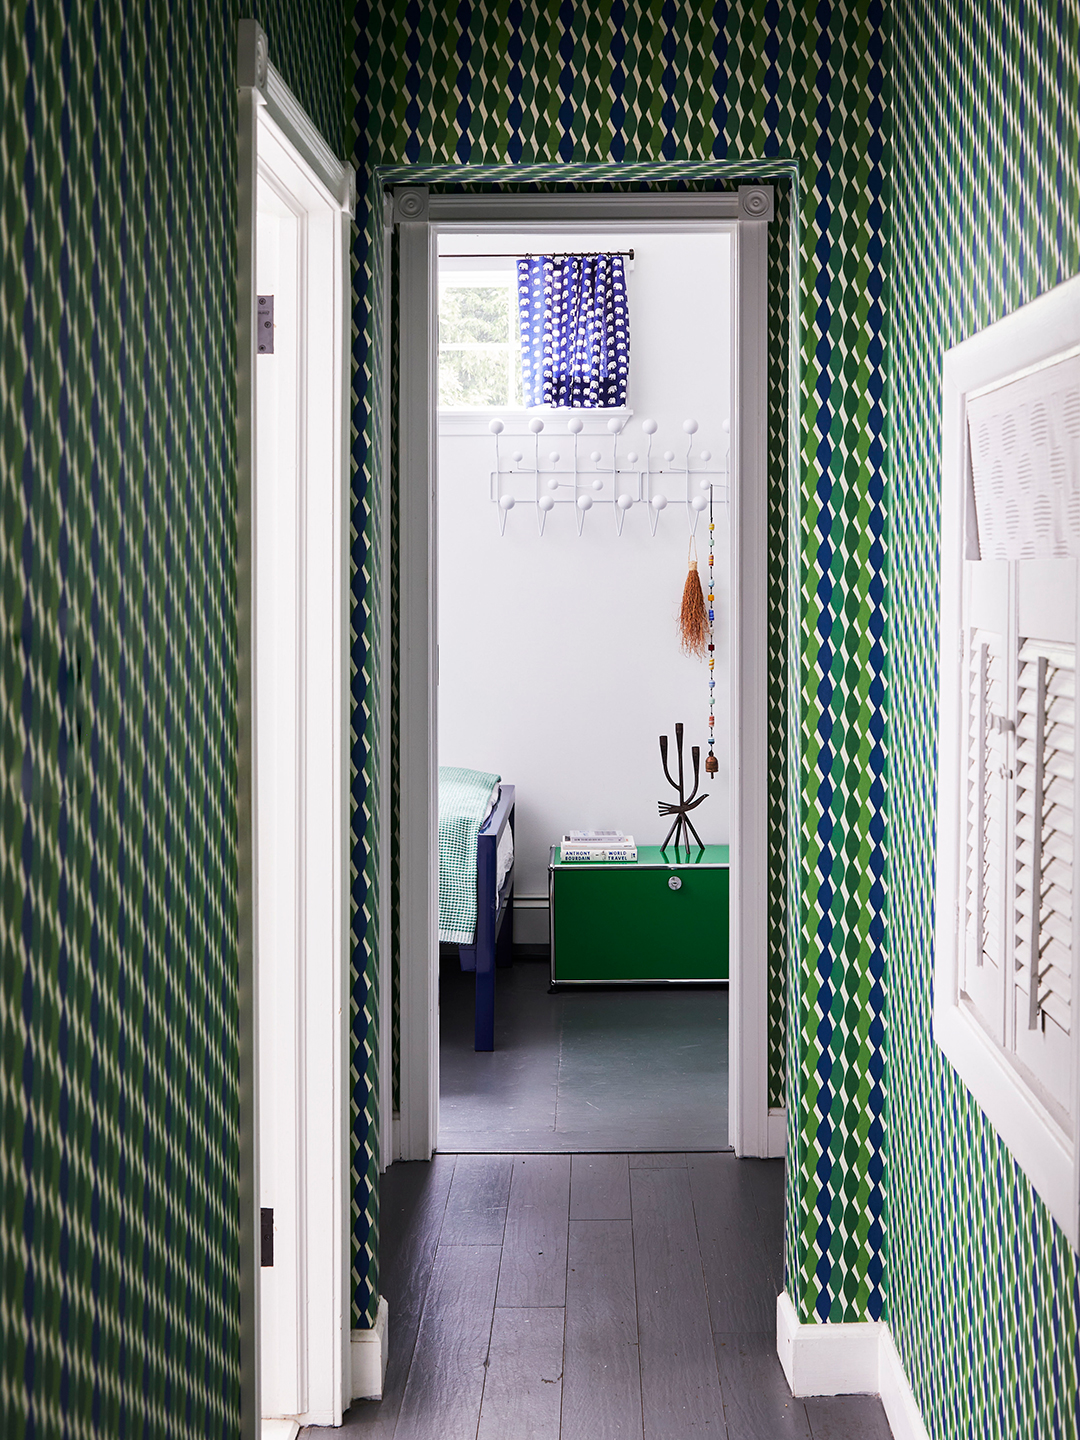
745	213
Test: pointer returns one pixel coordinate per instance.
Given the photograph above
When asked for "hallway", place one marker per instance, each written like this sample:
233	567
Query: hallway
589	1297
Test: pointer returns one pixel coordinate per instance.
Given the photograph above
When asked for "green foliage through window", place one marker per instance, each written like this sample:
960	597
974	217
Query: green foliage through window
479	346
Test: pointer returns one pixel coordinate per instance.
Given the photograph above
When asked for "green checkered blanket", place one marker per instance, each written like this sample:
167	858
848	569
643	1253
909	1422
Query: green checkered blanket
464	800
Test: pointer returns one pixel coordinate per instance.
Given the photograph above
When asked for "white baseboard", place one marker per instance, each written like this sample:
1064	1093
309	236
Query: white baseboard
279	1429
369	1357
826	1359
776	1135
858	1359
901	1407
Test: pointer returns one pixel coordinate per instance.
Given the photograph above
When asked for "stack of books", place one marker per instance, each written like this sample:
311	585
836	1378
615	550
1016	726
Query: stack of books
597	845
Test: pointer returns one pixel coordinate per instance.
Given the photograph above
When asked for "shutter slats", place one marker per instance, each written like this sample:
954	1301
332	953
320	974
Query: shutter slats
985	875
1043	829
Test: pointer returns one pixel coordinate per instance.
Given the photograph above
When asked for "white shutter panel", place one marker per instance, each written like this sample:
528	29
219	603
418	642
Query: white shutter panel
1043	939
984	809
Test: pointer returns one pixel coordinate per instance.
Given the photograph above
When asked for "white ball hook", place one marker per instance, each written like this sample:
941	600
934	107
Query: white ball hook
584	503
656	504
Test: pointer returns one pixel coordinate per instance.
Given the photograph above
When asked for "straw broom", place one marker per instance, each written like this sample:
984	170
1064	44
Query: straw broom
694	616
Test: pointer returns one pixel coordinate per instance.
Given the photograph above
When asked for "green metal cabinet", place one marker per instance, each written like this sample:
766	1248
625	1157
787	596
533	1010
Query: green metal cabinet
621	922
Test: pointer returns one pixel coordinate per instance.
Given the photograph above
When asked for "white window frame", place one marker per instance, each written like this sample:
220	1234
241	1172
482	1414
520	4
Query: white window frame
1041	332
753	1129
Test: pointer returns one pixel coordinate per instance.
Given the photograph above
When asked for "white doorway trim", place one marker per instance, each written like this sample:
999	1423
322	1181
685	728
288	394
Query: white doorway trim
417	217
292	596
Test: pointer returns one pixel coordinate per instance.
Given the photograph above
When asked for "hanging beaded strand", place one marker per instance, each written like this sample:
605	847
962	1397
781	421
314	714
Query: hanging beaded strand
712	764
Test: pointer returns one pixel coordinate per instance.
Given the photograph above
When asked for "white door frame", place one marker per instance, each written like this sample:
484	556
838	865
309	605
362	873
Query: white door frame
280	148
417	216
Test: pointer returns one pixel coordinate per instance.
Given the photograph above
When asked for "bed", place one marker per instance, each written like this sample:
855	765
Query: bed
476	880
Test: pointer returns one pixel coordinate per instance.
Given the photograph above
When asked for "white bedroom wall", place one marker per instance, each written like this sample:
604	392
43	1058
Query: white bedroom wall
559	659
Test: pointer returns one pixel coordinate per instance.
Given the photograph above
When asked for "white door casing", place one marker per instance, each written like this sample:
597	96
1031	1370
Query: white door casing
295	230
417	217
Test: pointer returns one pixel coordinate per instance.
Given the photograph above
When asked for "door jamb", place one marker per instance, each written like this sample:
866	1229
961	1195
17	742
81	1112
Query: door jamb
753	1129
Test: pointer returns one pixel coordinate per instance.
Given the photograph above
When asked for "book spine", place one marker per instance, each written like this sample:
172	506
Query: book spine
567	852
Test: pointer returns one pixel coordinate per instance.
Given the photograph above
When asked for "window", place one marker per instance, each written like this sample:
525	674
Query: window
1007	784
479	340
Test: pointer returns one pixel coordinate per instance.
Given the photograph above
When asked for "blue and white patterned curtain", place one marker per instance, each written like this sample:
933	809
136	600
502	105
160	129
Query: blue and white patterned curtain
575	331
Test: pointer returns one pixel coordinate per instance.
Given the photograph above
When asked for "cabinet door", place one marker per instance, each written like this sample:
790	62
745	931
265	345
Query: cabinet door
610	924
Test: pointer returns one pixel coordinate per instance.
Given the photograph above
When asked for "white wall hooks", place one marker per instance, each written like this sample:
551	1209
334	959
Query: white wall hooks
585	483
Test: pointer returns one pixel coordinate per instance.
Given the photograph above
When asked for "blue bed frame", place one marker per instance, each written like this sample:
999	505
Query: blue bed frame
494	938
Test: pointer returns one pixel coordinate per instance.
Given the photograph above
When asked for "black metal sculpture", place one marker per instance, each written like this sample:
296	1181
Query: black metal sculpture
682	828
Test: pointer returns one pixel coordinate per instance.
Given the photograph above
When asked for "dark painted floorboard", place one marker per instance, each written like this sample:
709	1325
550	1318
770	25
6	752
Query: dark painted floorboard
534	1248
446	1379
680	1389
602	1376
593	1297
599	1187
847	1417
736	1255
523	1390
413	1201
476	1207
757	1402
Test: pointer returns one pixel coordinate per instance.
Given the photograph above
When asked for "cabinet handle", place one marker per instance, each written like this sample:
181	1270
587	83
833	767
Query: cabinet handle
674	883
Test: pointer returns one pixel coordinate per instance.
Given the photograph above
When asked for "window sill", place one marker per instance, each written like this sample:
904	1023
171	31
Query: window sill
454	421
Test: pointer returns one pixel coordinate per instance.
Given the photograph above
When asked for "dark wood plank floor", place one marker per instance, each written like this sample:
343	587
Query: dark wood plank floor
589	1297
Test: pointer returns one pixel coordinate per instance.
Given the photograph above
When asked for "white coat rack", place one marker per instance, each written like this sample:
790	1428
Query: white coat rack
555	479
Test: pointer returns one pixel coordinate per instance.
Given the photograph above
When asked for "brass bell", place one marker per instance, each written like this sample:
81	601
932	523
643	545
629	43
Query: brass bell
712	764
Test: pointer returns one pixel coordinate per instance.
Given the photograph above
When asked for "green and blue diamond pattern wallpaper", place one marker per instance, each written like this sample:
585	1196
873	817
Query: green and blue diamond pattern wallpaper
119	991
119	1205
984	1294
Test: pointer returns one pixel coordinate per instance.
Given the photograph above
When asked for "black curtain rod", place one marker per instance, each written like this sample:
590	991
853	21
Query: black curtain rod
534	255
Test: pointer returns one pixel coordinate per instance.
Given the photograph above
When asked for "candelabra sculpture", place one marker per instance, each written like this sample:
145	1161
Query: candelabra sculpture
681	828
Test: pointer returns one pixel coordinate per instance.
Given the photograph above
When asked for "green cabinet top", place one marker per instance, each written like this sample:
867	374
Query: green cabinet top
648	856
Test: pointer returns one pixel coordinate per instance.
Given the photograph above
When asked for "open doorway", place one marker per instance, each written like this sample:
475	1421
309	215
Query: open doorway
418	219
562	559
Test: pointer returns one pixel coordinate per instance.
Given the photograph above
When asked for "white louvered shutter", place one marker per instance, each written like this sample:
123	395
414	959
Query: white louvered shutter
1007	927
1019	784
983	810
1043	941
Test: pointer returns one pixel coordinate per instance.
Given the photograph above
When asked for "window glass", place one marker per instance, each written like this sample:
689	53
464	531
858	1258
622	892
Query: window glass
479	342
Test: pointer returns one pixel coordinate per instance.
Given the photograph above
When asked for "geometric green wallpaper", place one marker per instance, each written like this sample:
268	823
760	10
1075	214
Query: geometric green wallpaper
118	971
755	87
119	1307
984	1293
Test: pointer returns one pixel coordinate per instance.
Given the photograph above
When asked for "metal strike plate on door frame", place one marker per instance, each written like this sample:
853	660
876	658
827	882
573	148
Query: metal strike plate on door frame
264	329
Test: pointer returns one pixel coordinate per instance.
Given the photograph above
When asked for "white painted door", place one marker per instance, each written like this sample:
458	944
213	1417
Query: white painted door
278	782
299	631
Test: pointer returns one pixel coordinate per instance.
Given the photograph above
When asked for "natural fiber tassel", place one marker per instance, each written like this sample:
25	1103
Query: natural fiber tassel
694	617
